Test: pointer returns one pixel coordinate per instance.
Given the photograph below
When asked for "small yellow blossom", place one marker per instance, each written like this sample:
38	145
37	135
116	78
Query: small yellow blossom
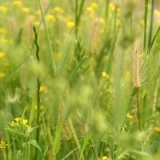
129	116
105	75
156	12
102	21
2	30
25	9
3	145
3	9
157	129
2	74
50	17
112	6
90	9
41	107
17	120
17	3
58	10
3	40
94	5
43	88
142	22
119	10
36	23
70	25
2	54
105	158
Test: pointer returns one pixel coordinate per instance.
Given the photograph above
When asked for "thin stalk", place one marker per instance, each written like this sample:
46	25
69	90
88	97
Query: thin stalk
78	13
76	19
74	154
38	88
75	138
48	7
95	155
107	10
48	37
151	24
138	109
145	24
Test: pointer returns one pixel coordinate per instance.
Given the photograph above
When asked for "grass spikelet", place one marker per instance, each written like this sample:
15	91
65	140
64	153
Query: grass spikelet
136	67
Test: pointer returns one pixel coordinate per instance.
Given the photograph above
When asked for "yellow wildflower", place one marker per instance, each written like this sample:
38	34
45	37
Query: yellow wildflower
17	120
119	10
129	116
43	88
25	121
105	158
2	54
25	9
105	75
94	5
2	74
36	23
2	31
142	22
157	129
41	107
58	10
102	21
156	12
3	9
4	40
90	9
17	3
50	17
3	145
70	25
112	6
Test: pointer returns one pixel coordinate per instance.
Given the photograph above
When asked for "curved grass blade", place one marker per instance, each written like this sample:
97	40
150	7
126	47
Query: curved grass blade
16	69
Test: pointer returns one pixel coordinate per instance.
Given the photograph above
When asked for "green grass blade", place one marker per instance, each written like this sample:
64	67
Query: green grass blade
48	37
151	24
76	69
16	69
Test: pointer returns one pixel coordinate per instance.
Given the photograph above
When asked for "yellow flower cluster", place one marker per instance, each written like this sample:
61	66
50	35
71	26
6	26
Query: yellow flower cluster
19	121
2	31
3	144
43	88
50	17
58	10
3	9
112	7
91	9
2	54
129	116
70	25
17	3
105	75
2	74
157	129
25	9
105	158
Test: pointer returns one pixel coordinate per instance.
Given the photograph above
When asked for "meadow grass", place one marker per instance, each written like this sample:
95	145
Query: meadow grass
79	79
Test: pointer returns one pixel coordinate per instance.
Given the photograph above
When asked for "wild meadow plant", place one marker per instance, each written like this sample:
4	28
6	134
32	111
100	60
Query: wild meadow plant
79	80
